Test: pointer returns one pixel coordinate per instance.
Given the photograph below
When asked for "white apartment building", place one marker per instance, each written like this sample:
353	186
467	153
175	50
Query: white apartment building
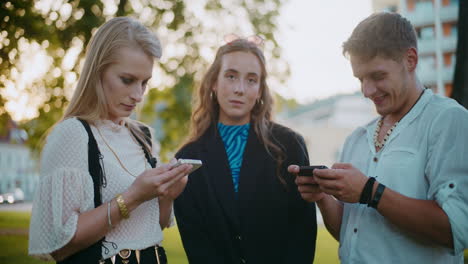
17	168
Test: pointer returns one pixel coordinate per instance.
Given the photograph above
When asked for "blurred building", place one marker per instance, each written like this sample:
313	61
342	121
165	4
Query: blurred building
325	124
386	5
435	22
17	168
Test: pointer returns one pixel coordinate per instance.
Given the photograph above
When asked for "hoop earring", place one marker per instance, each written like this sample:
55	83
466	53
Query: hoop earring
213	96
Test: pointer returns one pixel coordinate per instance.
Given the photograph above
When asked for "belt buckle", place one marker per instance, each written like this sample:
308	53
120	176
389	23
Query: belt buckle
125	254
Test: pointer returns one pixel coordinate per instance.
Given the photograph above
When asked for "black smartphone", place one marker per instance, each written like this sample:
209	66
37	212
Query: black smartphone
309	170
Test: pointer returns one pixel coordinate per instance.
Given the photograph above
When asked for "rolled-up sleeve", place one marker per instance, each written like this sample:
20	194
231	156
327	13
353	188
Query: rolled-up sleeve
447	170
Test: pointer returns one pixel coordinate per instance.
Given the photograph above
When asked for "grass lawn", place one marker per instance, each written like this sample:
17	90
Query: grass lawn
14	246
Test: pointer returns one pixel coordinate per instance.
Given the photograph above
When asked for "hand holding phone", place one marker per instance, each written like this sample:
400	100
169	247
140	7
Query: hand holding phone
307	186
195	163
309	170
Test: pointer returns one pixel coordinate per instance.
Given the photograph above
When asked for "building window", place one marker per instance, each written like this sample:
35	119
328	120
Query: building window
423	1
447	59
454	32
427	33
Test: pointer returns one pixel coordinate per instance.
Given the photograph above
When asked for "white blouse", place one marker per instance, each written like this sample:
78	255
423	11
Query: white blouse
66	189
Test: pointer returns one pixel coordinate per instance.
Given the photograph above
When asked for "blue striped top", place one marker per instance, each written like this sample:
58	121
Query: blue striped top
234	139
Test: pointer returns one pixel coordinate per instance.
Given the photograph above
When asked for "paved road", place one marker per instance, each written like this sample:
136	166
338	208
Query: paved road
17	207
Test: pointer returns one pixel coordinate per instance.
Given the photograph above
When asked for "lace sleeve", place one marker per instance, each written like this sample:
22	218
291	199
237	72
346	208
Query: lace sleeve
65	189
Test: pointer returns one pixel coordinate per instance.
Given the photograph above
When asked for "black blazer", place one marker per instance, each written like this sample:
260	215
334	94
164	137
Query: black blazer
265	222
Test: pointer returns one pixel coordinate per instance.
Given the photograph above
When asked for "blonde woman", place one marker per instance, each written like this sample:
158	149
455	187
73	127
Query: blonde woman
99	199
242	206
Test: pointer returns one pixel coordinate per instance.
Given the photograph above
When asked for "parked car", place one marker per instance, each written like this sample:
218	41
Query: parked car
16	196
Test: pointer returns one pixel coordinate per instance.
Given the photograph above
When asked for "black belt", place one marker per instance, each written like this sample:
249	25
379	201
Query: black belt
151	255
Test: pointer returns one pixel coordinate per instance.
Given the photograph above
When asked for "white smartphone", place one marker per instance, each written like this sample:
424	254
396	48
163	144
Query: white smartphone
195	163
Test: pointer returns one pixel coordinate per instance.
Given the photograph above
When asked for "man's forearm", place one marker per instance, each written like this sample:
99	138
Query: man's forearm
332	213
423	218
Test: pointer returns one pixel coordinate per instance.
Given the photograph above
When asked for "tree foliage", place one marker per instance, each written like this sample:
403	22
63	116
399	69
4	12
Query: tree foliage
190	32
4	119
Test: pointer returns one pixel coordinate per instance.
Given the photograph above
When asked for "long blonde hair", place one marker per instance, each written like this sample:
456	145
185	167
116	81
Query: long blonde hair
89	102
206	108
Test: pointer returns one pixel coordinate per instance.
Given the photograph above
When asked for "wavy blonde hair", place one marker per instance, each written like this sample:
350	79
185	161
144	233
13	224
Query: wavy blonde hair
89	102
206	107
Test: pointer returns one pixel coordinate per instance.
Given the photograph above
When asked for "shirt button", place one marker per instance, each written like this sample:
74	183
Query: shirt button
376	159
451	185
355	230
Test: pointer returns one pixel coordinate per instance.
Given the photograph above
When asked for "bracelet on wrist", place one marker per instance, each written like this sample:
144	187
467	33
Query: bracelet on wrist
378	194
366	194
122	206
109	220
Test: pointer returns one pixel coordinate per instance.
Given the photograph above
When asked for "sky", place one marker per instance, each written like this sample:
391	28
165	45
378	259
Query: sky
311	33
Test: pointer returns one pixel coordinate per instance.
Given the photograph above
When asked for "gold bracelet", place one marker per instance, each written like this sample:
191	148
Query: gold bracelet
122	207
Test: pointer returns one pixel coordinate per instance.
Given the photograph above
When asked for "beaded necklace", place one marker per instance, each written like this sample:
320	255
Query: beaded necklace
380	145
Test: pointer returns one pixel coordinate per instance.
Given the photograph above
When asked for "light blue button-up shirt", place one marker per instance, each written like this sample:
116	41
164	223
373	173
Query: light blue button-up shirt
425	157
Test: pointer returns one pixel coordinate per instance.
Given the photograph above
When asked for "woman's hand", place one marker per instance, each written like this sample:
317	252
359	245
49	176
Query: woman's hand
176	189
163	181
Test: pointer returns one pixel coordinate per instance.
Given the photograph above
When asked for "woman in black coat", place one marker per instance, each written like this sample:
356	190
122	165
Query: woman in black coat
242	206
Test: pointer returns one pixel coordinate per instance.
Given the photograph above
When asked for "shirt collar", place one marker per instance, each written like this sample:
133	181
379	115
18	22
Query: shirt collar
415	111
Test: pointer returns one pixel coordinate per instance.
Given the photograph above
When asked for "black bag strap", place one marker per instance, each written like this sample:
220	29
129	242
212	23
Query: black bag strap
149	157
92	254
94	165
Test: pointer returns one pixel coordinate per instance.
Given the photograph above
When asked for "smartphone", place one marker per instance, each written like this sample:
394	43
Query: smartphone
309	170
195	163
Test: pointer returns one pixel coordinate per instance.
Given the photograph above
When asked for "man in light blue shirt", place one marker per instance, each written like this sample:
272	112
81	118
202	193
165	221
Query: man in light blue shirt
400	193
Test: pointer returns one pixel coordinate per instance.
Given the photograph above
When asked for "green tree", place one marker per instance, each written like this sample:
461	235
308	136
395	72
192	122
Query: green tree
4	119
190	32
